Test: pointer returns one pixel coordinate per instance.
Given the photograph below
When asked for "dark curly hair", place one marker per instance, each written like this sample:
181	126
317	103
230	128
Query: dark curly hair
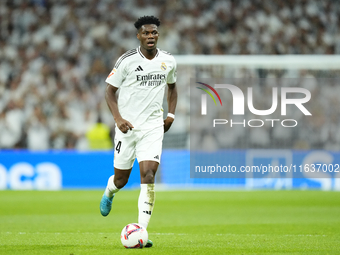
147	20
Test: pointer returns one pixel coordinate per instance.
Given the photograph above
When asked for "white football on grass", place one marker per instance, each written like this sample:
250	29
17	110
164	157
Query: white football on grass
134	236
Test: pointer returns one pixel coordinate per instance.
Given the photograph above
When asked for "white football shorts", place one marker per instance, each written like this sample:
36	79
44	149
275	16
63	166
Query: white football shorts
141	144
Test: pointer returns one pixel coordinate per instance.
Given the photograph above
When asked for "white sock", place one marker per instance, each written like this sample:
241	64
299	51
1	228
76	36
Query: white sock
146	203
111	188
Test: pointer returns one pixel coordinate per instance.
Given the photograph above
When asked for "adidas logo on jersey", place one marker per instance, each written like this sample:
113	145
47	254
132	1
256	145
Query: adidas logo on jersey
156	157
139	68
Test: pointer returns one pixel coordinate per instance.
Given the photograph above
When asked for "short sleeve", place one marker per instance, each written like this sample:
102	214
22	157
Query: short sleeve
116	77
172	76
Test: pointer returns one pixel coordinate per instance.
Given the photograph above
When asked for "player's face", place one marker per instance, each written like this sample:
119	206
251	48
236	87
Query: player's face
148	37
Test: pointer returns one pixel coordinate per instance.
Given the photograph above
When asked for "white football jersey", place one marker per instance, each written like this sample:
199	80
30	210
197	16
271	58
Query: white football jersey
141	84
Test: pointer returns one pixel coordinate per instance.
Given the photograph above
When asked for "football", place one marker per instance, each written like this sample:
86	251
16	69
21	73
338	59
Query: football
134	236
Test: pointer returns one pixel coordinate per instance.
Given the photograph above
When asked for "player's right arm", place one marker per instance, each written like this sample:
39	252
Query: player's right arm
112	102
114	81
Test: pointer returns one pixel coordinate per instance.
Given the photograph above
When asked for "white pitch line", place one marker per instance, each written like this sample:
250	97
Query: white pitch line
161	234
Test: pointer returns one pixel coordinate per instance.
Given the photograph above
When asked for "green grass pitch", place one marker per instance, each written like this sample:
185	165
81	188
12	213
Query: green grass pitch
184	222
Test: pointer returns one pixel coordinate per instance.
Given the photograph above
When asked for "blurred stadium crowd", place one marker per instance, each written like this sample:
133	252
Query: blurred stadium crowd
55	56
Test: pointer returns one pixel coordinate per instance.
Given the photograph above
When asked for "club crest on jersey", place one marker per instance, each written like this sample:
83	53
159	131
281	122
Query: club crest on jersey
163	66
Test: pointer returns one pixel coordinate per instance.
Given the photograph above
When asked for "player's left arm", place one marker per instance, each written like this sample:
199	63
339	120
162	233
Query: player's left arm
172	102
